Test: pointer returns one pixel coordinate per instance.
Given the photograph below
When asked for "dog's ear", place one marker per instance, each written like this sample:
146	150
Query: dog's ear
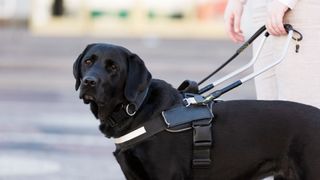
77	67
76	71
138	77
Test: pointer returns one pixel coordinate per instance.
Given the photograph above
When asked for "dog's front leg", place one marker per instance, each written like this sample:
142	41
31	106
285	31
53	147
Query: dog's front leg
130	165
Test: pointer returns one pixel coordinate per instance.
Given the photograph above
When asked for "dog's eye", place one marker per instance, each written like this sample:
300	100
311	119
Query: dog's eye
88	62
113	67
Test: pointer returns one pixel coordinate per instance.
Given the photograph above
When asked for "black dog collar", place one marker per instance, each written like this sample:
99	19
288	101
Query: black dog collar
126	111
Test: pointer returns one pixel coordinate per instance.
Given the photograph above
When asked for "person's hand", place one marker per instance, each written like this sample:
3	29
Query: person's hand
232	17
275	13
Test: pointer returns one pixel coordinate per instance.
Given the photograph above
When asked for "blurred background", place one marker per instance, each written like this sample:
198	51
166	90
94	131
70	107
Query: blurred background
46	132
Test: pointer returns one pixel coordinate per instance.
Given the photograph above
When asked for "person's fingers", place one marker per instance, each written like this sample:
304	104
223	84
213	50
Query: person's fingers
231	29
237	27
232	18
275	25
237	19
269	26
239	37
237	33
280	25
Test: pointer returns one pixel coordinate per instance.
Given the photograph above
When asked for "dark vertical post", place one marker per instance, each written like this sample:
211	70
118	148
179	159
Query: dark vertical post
57	8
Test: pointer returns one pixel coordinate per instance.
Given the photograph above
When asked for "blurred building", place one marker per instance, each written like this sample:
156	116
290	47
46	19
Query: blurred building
127	18
14	11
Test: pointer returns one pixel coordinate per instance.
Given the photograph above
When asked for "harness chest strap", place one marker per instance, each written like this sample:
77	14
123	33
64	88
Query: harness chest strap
130	135
202	133
168	120
150	128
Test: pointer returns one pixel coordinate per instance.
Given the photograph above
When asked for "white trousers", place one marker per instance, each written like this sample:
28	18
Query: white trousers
297	78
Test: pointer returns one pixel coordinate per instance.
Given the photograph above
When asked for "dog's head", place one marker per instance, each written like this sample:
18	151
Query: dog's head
109	76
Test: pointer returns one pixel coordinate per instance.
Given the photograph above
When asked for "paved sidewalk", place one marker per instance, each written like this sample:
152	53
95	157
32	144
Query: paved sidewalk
46	133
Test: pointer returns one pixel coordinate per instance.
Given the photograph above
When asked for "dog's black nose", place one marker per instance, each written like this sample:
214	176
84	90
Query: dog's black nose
90	81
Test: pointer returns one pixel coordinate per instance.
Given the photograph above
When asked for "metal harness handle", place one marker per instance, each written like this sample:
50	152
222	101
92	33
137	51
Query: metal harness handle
233	85
288	27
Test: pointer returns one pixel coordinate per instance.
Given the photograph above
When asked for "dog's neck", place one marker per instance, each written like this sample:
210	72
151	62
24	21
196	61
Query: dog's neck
159	92
126	110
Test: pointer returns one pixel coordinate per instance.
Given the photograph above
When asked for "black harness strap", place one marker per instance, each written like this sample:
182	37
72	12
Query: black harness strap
197	117
151	127
202	144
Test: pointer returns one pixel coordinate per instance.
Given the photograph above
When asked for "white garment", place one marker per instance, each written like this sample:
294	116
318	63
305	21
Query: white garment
290	3
298	77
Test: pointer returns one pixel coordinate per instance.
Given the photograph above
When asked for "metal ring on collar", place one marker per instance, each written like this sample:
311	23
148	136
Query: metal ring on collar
129	110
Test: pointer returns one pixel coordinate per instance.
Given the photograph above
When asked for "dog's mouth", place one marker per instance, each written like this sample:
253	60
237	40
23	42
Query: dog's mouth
102	112
87	98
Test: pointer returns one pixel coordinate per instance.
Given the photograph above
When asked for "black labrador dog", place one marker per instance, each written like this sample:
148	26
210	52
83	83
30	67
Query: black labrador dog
252	139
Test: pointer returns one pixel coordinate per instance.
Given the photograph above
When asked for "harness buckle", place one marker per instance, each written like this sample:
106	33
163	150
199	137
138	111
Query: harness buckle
188	101
202	142
202	135
195	99
201	163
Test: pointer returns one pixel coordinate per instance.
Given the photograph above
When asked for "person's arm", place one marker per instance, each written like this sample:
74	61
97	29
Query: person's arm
232	17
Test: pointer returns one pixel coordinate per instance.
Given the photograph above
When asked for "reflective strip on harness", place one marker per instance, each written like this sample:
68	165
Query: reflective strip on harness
129	136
